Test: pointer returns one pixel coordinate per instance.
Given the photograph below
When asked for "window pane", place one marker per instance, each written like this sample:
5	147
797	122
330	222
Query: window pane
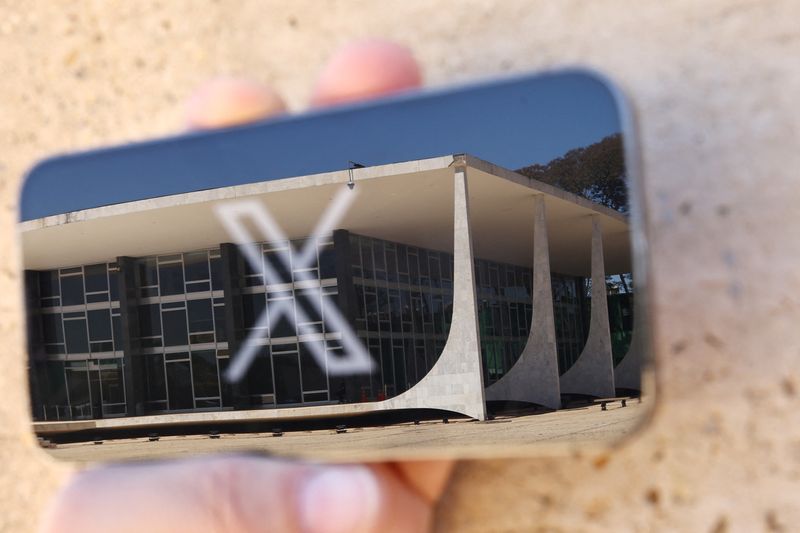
150	320
196	266
275	260
171	279
219	323
175	327
281	319
96	278
327	262
78	385
100	325
72	290
75	332
200	318
227	389
314	377
154	372
252	307
179	383
51	328
287	378
116	323
259	377
216	274
204	368
48	284
310	303
56	386
113	285
111	376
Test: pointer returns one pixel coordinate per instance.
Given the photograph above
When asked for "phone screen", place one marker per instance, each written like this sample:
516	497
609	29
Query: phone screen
456	272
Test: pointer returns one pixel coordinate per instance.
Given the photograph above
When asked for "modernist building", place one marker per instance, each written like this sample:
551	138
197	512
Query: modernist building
465	282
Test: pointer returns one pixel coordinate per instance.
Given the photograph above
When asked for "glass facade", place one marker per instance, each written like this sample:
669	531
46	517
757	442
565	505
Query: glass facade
165	344
80	333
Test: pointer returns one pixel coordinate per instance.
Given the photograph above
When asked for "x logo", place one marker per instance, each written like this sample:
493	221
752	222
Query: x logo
356	359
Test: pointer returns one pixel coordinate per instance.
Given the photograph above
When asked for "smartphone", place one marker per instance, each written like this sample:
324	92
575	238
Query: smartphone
381	280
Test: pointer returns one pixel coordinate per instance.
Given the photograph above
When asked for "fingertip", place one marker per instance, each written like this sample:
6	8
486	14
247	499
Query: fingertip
228	101
366	69
340	500
360	499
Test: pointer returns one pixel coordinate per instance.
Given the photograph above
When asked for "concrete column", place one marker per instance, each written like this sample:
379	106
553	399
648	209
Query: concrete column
593	373
628	373
455	383
534	377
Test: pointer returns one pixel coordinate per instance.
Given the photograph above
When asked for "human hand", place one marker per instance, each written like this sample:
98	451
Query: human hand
241	493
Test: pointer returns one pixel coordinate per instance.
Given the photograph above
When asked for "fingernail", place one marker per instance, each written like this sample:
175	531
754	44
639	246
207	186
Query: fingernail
340	500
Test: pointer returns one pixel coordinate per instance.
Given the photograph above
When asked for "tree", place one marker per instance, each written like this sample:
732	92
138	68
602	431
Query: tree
596	172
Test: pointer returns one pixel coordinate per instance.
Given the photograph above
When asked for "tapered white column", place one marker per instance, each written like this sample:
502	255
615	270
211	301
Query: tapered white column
455	383
534	377
592	373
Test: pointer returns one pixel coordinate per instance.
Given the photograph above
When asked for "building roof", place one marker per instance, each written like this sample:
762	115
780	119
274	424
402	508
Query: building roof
409	202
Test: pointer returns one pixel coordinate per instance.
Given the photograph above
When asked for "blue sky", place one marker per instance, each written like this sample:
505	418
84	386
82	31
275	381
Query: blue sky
512	123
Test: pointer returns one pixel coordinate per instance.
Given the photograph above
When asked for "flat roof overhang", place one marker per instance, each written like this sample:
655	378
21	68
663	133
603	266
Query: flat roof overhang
408	202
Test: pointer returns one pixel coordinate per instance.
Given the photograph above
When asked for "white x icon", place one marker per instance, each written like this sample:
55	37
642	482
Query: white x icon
356	359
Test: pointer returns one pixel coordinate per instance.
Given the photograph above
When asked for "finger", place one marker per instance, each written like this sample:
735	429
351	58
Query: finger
236	494
366	69
226	102
427	478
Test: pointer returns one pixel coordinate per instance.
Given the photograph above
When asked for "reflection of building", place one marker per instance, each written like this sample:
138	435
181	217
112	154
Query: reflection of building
149	323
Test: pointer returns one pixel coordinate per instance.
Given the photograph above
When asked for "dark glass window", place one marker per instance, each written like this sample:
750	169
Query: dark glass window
48	284
72	290
196	266
116	323
171	279
57	386
154	372
259	377
217	277
179	384
287	378
200	317
275	259
327	261
309	302
252	308
75	333
297	249
204	368
51	328
150	320
111	376
78	384
113	285
96	278
99	325
175	333
281	321
314	376
219	323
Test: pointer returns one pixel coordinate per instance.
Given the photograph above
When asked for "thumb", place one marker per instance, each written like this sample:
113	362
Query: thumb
236	494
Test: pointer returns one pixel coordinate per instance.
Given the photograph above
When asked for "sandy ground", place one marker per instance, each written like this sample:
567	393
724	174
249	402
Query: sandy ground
573	426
